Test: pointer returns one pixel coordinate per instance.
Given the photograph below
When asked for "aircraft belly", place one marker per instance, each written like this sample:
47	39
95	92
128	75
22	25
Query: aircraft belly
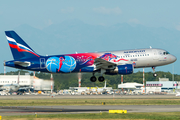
146	63
150	63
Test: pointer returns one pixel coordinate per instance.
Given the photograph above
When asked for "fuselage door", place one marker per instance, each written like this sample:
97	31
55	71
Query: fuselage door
42	63
155	54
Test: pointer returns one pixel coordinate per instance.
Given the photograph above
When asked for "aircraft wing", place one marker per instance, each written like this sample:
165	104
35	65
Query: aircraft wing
103	64
23	64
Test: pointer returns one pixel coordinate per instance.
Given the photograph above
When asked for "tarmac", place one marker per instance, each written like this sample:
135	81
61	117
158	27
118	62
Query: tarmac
31	110
70	109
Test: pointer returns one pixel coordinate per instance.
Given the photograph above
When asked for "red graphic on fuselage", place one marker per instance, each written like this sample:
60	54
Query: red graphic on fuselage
108	56
112	57
61	59
122	59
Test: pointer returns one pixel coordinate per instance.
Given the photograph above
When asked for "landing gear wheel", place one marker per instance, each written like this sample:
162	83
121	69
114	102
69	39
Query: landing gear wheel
93	79
155	74
101	79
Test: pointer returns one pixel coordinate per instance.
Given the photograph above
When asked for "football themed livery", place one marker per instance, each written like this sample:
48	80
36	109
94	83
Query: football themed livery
111	63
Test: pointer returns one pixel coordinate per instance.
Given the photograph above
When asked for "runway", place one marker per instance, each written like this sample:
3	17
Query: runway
31	110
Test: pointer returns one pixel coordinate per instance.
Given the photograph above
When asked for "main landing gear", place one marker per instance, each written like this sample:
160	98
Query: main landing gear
101	78
154	74
93	79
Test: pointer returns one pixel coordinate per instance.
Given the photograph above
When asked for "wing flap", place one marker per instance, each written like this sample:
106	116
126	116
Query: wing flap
103	64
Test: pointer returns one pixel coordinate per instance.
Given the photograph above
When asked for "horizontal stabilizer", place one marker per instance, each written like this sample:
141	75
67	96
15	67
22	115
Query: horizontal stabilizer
23	64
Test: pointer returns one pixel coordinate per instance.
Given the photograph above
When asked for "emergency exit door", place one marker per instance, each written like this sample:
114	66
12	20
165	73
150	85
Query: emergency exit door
42	63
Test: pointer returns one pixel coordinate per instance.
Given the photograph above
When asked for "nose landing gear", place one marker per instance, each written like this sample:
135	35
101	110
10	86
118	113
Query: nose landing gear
154	74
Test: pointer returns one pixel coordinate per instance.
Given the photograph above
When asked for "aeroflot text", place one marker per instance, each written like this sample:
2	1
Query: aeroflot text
135	51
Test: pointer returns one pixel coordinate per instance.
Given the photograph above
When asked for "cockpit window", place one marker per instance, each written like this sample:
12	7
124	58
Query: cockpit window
166	53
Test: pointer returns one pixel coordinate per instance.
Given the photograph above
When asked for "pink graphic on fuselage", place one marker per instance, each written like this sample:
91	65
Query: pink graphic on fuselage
86	59
61	59
112	57
108	56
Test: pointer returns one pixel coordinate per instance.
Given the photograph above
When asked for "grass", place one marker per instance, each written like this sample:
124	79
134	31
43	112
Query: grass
49	102
149	116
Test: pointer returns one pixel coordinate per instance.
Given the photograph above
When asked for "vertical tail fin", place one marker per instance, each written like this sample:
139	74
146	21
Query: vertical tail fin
18	47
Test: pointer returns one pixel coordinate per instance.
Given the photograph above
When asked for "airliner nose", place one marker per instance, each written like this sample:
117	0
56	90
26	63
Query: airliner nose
173	58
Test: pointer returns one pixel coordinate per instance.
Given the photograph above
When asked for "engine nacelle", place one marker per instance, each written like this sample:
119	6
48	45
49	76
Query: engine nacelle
125	69
121	69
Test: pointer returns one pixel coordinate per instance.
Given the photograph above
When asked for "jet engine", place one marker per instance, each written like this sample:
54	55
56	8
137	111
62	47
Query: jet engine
121	69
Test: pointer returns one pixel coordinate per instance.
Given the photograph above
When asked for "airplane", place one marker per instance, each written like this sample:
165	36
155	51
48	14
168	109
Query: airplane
102	90
111	63
12	87
15	87
178	94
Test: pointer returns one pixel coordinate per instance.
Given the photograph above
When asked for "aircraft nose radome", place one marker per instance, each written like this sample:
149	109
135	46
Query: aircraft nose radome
173	58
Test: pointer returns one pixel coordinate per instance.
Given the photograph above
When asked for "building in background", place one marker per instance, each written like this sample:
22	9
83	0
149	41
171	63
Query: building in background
152	87
164	84
131	87
26	81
